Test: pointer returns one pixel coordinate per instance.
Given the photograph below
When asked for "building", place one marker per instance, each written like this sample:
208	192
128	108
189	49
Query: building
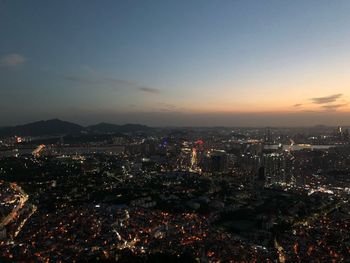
274	165
215	162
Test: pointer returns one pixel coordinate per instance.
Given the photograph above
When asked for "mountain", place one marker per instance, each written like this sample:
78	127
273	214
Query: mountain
103	128
40	128
112	128
134	128
58	127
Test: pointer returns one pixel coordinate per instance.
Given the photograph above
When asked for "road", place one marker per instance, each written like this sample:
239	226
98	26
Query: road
23	198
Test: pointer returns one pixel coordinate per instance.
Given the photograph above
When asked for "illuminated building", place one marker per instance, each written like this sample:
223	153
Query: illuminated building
215	162
197	155
275	167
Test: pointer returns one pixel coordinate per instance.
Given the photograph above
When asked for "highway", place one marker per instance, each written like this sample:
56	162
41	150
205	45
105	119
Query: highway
23	198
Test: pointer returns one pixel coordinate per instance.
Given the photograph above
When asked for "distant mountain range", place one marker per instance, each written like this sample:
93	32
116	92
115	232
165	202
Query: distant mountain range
59	127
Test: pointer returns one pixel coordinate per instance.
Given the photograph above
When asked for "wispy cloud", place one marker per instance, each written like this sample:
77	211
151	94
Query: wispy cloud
168	107
12	60
95	78
120	82
320	104
149	90
333	107
326	99
89	69
113	83
99	80
310	111
82	80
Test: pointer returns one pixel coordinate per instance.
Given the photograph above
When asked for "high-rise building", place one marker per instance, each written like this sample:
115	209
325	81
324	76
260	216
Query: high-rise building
215	162
275	167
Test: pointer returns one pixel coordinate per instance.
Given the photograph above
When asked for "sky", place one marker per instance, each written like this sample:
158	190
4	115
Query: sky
176	63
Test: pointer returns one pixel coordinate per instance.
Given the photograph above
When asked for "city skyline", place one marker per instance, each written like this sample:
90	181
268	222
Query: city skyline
196	63
174	131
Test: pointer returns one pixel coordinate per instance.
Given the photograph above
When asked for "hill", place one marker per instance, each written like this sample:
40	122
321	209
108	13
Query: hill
58	127
40	128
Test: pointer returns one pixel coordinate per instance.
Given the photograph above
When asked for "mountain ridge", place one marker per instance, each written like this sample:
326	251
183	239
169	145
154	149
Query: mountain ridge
60	127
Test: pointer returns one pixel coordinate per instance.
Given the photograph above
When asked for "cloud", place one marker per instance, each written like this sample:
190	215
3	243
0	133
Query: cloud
333	107
310	111
297	105
327	99
149	90
114	83
82	80
167	107
98	80
170	108
12	60
89	69
119	82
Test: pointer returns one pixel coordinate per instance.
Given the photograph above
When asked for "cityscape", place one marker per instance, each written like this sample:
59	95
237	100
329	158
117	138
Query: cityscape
179	194
174	131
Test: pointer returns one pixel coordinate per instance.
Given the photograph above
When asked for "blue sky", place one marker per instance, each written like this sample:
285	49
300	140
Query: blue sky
175	62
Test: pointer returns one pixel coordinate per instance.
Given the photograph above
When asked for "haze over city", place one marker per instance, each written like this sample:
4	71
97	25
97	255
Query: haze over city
181	63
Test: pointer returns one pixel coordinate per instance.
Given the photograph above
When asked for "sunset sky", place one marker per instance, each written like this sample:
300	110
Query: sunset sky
202	63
